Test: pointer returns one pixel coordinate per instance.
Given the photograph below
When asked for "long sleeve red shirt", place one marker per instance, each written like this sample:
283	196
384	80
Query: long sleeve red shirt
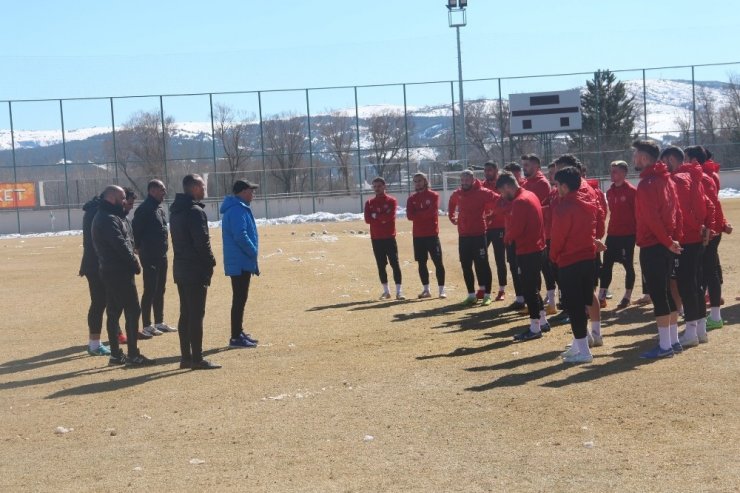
495	217
422	208
711	188
470	208
656	207
692	201
573	230
525	226
621	199
380	214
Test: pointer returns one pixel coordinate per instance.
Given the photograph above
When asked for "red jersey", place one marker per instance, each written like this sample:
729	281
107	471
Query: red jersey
692	201
422	208
597	197
711	188
380	214
471	207
621	199
538	185
656	207
572	233
496	217
525	226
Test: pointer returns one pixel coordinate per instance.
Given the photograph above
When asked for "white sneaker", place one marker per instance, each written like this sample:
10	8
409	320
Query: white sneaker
165	328
424	294
151	330
385	296
596	341
591	341
443	294
687	342
579	358
703	339
399	296
571	351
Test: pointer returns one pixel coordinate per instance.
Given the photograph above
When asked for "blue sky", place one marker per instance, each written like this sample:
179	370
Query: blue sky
84	48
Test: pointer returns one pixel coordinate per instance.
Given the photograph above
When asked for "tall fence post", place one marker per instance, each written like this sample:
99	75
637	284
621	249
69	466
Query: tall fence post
64	156
408	152
113	135
310	154
15	168
693	103
597	80
360	180
644	102
501	121
213	152
164	140
262	149
454	123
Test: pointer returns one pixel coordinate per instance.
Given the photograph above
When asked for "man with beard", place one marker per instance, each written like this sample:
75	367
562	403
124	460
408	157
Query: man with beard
526	230
422	209
380	214
656	208
495	227
192	268
118	266
467	208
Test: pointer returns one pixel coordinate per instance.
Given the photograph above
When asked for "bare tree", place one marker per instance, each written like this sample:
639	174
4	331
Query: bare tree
338	134
140	148
730	111
233	133
683	122
286	143
707	115
387	134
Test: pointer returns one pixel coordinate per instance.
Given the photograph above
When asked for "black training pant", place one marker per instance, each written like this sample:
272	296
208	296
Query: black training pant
155	280
97	303
712	280
429	247
239	295
548	269
121	297
656	263
474	252
619	250
576	282
190	325
689	283
511	258
496	236
386	252
530	268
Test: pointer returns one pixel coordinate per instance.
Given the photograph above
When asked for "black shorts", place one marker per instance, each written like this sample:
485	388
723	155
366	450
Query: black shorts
385	250
471	248
427	246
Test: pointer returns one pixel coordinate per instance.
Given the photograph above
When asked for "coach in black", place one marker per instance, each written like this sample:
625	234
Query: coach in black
118	266
192	268
150	241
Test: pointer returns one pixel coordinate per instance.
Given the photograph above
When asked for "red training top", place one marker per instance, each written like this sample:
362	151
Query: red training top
692	201
525	226
423	209
471	207
711	188
656	207
496	217
573	230
380	214
621	201
597	197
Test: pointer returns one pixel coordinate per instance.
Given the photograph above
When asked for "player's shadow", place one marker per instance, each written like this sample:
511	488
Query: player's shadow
432	312
337	306
54	357
132	377
467	351
516	379
482	320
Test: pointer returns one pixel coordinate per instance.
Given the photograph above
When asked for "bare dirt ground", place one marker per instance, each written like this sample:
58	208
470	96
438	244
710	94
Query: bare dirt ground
450	402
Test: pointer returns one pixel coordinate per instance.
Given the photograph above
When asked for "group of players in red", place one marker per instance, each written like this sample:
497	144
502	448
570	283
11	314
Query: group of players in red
553	227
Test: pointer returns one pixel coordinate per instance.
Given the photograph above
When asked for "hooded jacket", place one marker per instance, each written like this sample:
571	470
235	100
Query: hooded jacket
240	238
525	227
692	201
471	207
710	181
150	230
112	241
656	207
89	265
193	258
621	199
573	230
495	217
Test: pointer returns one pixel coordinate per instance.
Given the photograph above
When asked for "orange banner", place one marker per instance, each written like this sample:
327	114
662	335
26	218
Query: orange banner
20	195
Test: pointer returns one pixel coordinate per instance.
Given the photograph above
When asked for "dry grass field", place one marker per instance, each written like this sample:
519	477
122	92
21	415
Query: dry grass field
346	393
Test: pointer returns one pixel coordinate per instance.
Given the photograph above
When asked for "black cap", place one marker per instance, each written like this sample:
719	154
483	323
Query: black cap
241	185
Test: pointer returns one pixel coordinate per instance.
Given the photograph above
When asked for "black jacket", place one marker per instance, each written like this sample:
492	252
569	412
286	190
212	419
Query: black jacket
150	230
89	265
112	240
193	258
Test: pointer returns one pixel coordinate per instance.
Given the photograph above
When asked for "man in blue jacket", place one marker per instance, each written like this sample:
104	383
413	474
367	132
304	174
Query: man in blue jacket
241	244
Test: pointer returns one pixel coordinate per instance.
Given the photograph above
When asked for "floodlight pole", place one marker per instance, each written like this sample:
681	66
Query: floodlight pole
457	23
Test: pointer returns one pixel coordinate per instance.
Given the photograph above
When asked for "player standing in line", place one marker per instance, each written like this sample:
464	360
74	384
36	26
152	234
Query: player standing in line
422	209
495	228
656	207
620	237
467	208
526	230
518	304
380	214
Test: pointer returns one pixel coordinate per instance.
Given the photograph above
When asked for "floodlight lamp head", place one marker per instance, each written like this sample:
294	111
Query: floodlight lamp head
463	3
451	4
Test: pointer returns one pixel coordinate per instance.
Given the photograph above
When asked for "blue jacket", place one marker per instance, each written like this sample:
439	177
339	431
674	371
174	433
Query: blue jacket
239	233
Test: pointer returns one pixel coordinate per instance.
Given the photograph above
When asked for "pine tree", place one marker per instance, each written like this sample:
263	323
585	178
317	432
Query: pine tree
608	128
